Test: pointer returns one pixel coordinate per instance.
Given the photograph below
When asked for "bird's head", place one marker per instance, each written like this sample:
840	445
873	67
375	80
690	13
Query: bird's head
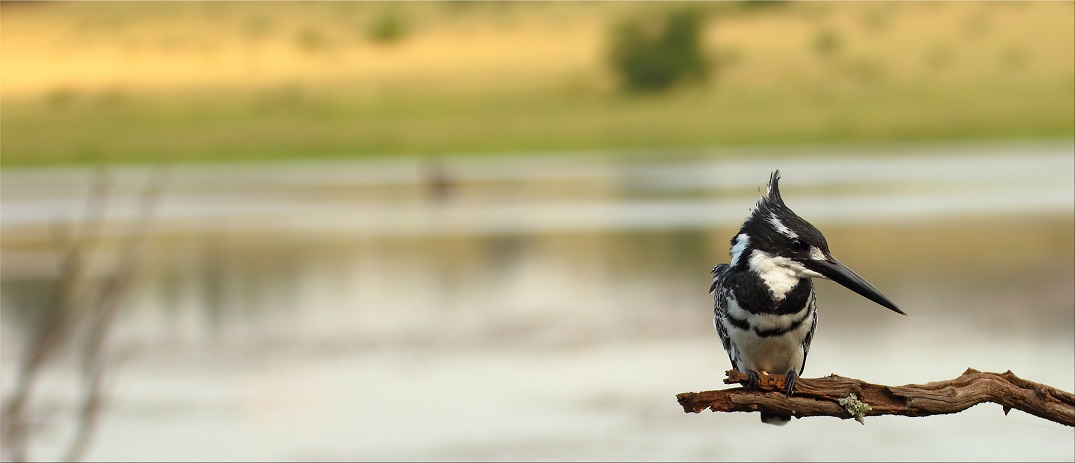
782	248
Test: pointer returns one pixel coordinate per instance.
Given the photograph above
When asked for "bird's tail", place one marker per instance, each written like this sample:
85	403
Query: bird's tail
778	420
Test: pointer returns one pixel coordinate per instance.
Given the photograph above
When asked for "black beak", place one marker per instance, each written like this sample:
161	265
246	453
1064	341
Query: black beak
835	271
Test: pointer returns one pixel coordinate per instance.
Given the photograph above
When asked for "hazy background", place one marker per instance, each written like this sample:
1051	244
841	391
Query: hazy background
483	231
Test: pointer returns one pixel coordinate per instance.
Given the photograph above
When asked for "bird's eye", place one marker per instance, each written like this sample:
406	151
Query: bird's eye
799	244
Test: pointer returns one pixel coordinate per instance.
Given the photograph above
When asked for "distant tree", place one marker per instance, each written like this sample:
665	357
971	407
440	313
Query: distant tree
653	54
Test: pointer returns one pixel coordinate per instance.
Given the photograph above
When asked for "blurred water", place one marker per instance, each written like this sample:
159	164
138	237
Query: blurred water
548	307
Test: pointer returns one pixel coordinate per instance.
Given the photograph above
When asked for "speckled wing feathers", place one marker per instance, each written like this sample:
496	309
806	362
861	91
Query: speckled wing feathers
720	308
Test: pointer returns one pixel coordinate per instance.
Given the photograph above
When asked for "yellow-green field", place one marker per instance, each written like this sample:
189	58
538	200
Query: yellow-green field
180	82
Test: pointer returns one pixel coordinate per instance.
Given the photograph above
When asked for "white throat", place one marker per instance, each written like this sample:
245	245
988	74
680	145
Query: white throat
780	274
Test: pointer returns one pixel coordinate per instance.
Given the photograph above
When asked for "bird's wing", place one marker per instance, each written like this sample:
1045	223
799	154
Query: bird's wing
720	290
809	335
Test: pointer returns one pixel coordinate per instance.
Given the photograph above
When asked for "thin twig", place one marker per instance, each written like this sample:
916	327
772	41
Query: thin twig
80	306
61	318
823	396
102	313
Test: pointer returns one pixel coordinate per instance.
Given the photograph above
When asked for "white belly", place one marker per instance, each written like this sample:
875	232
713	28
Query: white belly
774	354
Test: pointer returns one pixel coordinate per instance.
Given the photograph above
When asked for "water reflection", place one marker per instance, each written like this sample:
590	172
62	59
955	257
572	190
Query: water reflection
544	312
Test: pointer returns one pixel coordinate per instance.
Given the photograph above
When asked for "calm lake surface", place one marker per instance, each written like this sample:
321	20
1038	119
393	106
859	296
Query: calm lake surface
544	307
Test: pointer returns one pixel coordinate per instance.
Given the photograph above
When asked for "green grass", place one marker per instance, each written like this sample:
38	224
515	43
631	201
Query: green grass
199	128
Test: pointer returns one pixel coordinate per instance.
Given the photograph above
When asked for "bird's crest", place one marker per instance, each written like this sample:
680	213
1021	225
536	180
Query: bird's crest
773	194
771	201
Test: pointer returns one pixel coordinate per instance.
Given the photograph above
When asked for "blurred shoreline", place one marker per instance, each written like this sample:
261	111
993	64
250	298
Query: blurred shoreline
184	82
693	189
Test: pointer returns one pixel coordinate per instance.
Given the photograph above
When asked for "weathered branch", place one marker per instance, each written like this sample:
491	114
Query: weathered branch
844	397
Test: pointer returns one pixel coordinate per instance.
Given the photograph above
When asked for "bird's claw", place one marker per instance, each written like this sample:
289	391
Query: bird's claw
753	379
789	381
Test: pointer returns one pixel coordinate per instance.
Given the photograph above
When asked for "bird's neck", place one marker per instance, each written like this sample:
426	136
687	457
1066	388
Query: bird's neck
769	285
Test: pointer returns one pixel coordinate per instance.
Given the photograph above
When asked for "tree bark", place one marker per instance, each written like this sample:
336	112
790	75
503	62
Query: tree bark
851	398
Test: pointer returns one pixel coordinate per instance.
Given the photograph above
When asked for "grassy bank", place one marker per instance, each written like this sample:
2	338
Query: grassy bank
181	82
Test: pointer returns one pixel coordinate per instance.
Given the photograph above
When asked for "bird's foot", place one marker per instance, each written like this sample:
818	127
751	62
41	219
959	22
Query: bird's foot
789	381
753	379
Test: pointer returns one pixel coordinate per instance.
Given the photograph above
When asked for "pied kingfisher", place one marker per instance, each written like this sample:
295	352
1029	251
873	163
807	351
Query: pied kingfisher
763	302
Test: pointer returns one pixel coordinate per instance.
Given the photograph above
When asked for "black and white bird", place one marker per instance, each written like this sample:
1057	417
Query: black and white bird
764	305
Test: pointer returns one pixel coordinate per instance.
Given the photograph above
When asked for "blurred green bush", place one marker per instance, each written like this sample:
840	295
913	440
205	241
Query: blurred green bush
387	28
652	54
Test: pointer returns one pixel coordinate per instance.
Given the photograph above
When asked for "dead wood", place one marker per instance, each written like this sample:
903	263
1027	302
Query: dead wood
845	398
